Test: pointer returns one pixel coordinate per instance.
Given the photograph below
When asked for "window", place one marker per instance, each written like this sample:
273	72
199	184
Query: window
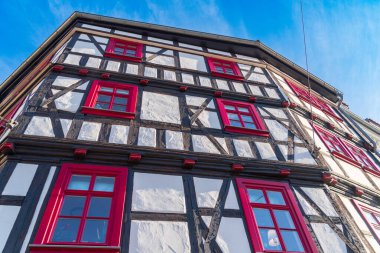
274	220
240	117
371	217
311	99
362	158
123	49
85	209
225	69
111	99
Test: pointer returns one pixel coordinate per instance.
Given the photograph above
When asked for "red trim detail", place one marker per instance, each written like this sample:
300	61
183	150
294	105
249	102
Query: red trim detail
223	67
313	116
373	226
58	68
134	157
188	163
218	94
83	72
290	205
115	219
7	148
285	104
183	88
105	75
252	99
333	181
293	105
327	177
143	81
330	126
359	192
252	112
349	136
124	45
80	152
237	167
284	172
89	105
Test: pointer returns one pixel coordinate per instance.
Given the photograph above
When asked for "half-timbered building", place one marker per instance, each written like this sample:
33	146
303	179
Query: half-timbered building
126	137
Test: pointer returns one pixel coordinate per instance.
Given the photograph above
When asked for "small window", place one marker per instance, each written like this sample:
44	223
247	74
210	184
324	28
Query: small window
240	117
111	99
371	217
274	220
125	50
85	208
225	69
361	157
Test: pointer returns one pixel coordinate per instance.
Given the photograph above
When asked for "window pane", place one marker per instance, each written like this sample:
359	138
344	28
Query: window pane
228	107
106	89
275	198
263	217
233	116
120	91
256	196
235	123
229	71
78	182
66	230
219	69
292	241
243	109
270	239
247	118
131	52
104	184
119	108
118	50
95	231
104	98
99	207
370	218
102	106
250	125
284	220
121	101
73	205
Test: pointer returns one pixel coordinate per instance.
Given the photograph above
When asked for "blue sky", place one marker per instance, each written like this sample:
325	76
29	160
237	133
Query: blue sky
343	36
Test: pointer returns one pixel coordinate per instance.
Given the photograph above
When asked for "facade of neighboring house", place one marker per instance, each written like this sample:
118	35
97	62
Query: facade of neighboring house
120	136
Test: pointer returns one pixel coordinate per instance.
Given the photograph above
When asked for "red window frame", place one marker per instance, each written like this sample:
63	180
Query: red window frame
95	91
42	241
290	204
311	99
250	113
115	46
375	223
220	68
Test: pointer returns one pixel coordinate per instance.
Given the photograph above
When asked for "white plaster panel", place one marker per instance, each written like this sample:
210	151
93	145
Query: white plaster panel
258	76
20	180
189	46
222	84
86	48
150	72
284	151
218	52
266	151
94	27
7	219
255	90
329	240
207	220
249	58
132	69
231	200
332	164
134	35
93	62
72	59
158	193
160	107
66	124
278	131
243	148
187	78
89	131
355	173
192	61
119	134
83	36
64	81
302	155
40	126
205	81
69	102
356	216
209	119
159	236
170	75
272	93
147	137
113	66
307	208
321	199
375	179
232	237
160	40
174	140
202	144
207	191
198	101
101	39
278	113
239	87
160	59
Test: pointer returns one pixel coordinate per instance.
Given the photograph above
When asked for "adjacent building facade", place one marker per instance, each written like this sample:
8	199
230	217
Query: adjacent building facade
119	136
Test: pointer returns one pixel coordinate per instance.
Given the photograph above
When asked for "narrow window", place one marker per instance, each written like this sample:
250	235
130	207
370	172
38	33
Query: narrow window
111	99
123	49
240	117
274	220
371	217
225	69
361	157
